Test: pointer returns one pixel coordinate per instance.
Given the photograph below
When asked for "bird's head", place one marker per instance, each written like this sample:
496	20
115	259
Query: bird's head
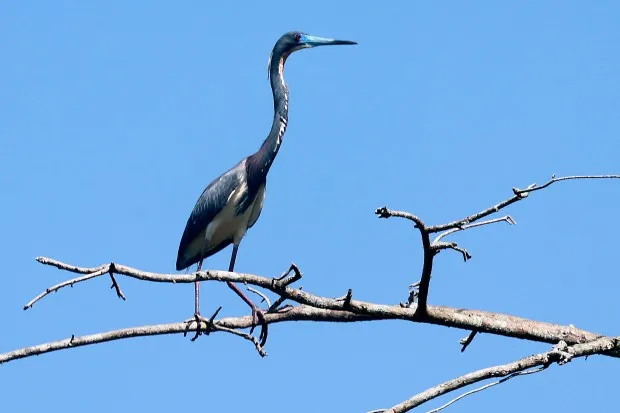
292	41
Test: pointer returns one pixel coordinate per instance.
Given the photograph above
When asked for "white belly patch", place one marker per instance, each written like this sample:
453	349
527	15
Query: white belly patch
227	225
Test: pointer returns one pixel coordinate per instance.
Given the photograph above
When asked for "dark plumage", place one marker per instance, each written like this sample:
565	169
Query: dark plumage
232	203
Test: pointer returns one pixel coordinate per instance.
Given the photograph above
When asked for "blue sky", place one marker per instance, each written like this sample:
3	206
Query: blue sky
114	116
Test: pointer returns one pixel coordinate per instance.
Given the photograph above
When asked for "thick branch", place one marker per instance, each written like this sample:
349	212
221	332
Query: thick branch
299	313
482	321
429	254
558	355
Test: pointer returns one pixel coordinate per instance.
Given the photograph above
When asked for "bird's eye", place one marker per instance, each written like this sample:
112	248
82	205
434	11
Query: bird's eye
297	37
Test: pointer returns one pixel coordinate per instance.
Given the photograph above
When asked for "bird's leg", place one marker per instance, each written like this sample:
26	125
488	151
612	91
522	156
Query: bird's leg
197	291
257	313
197	316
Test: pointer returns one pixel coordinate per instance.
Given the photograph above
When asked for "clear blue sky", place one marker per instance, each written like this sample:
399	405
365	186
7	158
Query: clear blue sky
114	116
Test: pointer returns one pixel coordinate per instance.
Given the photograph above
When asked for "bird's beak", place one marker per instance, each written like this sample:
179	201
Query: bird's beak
313	41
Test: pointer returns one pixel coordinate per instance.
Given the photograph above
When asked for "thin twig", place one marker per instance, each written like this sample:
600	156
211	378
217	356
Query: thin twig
506	218
414	290
276	304
69	267
438	246
282	281
63	284
486	386
264	298
519	194
563	178
467	340
597	346
117	287
346	299
249	337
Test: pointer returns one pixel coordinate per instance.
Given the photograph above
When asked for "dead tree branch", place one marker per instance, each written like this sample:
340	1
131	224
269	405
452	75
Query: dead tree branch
560	354
432	248
568	341
465	342
519	194
427	265
299	313
482	321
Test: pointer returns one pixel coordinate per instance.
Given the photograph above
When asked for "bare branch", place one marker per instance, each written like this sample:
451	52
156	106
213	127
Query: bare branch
384	212
276	304
563	178
299	313
117	287
507	371
346	299
264	298
69	267
438	246
430	249
484	322
249	337
282	281
96	273
506	218
427	266
465	342
486	386
519	194
569	341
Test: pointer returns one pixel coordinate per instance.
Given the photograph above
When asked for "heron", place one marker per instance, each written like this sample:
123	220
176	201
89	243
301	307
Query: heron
232	202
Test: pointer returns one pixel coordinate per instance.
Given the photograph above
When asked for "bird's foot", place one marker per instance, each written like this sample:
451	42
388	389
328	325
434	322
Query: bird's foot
259	316
198	319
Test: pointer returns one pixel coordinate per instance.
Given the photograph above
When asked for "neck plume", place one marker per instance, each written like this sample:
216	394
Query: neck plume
260	162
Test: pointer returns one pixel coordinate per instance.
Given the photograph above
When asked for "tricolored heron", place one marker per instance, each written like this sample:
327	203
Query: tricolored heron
232	202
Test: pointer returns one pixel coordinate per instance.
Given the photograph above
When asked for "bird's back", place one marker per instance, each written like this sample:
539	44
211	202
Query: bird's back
210	203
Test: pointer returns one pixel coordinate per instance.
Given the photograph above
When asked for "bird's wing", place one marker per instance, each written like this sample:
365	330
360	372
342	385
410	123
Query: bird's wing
212	200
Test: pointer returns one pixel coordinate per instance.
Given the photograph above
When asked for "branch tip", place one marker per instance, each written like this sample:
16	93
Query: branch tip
466	341
382	212
346	299
119	292
528	365
282	281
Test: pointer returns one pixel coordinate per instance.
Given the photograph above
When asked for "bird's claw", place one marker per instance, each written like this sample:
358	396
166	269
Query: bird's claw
259	316
198	319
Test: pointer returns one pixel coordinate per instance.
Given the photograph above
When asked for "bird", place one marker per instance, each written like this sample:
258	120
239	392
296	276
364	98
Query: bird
232	203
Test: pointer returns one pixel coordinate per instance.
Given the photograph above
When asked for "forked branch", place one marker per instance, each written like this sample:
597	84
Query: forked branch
560	354
356	310
519	194
432	248
569	341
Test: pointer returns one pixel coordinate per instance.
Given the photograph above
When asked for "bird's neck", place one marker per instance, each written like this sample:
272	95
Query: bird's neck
261	161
